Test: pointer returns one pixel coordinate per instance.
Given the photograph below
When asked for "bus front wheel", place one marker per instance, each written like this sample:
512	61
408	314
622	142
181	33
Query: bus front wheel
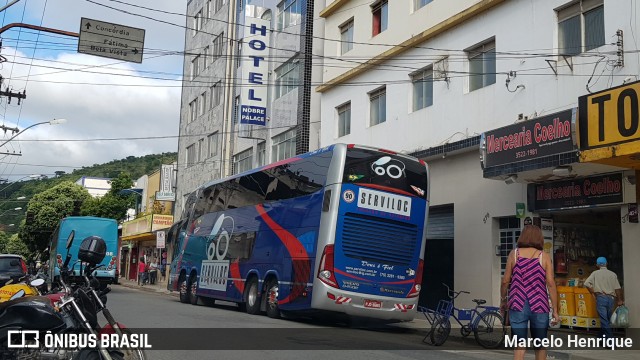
273	311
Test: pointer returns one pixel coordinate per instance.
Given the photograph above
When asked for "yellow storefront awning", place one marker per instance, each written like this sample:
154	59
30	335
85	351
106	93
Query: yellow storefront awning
140	237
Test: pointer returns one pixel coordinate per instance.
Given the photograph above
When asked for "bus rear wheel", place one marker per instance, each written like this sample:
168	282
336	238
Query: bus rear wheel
182	288
252	297
191	292
273	311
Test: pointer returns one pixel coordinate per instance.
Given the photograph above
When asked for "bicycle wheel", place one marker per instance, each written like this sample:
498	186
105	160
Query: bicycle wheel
489	330
440	331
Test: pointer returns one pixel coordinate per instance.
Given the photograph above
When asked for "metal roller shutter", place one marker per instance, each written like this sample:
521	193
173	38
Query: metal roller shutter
440	222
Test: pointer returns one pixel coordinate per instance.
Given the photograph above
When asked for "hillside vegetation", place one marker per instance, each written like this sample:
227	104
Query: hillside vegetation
10	192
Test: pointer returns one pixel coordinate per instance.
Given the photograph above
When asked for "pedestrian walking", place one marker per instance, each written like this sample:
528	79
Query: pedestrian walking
603	284
153	271
142	272
528	280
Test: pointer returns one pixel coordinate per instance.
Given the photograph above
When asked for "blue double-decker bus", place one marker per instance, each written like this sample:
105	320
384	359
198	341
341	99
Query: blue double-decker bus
340	229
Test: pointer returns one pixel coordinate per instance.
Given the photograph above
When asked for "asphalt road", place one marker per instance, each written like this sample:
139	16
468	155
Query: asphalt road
183	331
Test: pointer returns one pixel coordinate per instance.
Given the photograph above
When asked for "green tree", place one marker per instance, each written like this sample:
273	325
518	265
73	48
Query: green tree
46	209
16	246
4	239
115	203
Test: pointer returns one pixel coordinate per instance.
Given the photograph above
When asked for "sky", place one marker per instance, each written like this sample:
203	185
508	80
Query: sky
140	110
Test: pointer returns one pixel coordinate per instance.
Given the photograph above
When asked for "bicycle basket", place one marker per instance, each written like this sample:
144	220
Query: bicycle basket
465	314
445	307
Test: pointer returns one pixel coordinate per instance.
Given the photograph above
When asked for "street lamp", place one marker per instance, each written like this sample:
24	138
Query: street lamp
50	122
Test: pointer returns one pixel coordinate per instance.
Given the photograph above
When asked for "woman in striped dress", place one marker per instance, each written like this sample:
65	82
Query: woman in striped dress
529	280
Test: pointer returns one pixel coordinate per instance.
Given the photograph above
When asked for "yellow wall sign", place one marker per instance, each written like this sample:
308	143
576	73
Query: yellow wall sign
609	117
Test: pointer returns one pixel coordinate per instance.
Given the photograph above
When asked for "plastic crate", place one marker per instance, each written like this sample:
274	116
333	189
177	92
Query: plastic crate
445	307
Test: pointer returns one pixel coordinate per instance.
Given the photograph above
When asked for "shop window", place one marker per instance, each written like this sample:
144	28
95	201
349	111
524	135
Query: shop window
509	233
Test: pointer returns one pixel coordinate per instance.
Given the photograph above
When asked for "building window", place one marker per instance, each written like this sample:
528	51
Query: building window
209	9
216	92
195	66
422	88
236	110
193	110
218	44
206	58
212	145
287	77
417	4
243	161
283	146
581	27
378	99
380	12
201	150
509	234
239	56
288	13
346	36
344	119
482	66
197	22
261	155
219	4
203	103
191	155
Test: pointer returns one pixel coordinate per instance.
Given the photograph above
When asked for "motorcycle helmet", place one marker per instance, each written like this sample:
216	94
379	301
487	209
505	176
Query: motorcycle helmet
92	250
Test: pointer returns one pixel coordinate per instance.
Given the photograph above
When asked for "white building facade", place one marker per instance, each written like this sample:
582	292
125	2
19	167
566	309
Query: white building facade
430	77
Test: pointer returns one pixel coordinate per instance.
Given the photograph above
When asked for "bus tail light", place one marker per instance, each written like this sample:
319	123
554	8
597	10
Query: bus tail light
325	271
417	282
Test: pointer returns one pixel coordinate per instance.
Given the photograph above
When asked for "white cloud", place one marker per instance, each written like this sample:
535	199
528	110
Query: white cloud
107	110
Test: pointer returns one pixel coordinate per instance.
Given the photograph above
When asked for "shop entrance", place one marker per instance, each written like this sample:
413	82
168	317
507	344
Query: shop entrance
579	238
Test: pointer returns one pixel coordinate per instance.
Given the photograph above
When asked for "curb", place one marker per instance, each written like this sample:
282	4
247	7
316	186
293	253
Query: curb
149	289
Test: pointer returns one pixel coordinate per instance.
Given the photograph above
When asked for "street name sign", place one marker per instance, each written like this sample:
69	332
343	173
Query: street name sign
110	40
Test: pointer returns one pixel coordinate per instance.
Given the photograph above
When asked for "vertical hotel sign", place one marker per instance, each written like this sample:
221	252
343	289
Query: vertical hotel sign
255	68
167	182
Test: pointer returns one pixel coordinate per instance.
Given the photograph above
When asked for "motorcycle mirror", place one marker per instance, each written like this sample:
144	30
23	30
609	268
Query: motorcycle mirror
18	294
37	282
70	238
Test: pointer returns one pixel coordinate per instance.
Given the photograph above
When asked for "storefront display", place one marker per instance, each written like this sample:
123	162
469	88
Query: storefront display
580	236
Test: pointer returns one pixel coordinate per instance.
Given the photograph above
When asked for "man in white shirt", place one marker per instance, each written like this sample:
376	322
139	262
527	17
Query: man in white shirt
603	284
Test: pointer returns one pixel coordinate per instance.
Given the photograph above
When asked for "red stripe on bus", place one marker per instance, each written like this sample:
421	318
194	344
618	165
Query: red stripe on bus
386	188
293	245
234	271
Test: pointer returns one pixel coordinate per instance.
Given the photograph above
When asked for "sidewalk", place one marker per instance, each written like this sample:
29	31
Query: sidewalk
420	325
158	287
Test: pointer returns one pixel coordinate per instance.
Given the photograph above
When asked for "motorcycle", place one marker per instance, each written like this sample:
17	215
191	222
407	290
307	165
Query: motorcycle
75	311
30	288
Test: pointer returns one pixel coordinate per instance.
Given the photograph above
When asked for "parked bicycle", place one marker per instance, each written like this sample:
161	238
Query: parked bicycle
485	322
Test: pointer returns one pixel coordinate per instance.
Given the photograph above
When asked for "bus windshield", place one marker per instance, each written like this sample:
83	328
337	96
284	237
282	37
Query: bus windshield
391	172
